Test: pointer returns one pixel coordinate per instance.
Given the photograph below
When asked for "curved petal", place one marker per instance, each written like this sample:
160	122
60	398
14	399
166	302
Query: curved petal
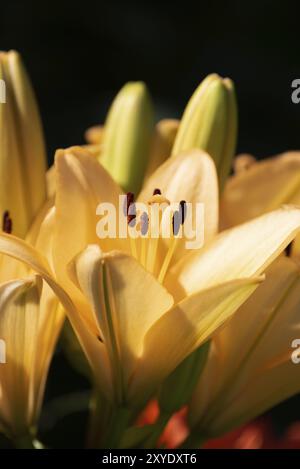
263	187
184	328
126	299
19	306
93	348
243	376
239	252
81	184
191	177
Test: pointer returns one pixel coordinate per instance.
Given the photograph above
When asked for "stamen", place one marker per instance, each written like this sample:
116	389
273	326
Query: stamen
167	260
157	192
178	219
7	223
130	207
128	201
183	210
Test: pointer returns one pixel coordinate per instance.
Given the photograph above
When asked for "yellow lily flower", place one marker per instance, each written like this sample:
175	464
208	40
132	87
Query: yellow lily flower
249	369
135	325
22	150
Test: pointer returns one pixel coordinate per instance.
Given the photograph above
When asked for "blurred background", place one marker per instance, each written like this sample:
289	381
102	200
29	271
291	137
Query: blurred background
79	54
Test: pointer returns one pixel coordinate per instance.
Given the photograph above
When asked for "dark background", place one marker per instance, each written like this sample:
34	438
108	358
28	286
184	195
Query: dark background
79	54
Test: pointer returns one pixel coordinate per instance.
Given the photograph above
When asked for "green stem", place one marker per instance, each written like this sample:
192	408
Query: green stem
107	423
118	424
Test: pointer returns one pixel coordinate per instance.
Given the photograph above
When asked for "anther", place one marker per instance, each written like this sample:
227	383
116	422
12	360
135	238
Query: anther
129	209
179	217
7	223
182	210
127	202
157	192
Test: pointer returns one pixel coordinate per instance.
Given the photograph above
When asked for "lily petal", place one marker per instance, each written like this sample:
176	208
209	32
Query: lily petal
93	348
191	177
130	311
263	187
19	306
81	184
184	328
239	252
243	376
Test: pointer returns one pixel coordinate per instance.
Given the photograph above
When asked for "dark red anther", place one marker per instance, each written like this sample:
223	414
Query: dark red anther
179	217
129	209
157	192
7	223
127	202
183	210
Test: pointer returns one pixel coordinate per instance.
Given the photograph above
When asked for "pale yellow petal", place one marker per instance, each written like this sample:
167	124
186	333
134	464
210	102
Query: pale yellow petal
239	252
185	327
263	187
93	348
190	177
19	306
115	286
81	184
239	381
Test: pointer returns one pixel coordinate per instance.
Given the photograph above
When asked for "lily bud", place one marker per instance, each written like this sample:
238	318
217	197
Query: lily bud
126	140
209	122
22	149
178	388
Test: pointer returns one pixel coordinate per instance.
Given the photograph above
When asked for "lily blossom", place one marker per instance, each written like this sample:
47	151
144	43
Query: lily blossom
135	325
